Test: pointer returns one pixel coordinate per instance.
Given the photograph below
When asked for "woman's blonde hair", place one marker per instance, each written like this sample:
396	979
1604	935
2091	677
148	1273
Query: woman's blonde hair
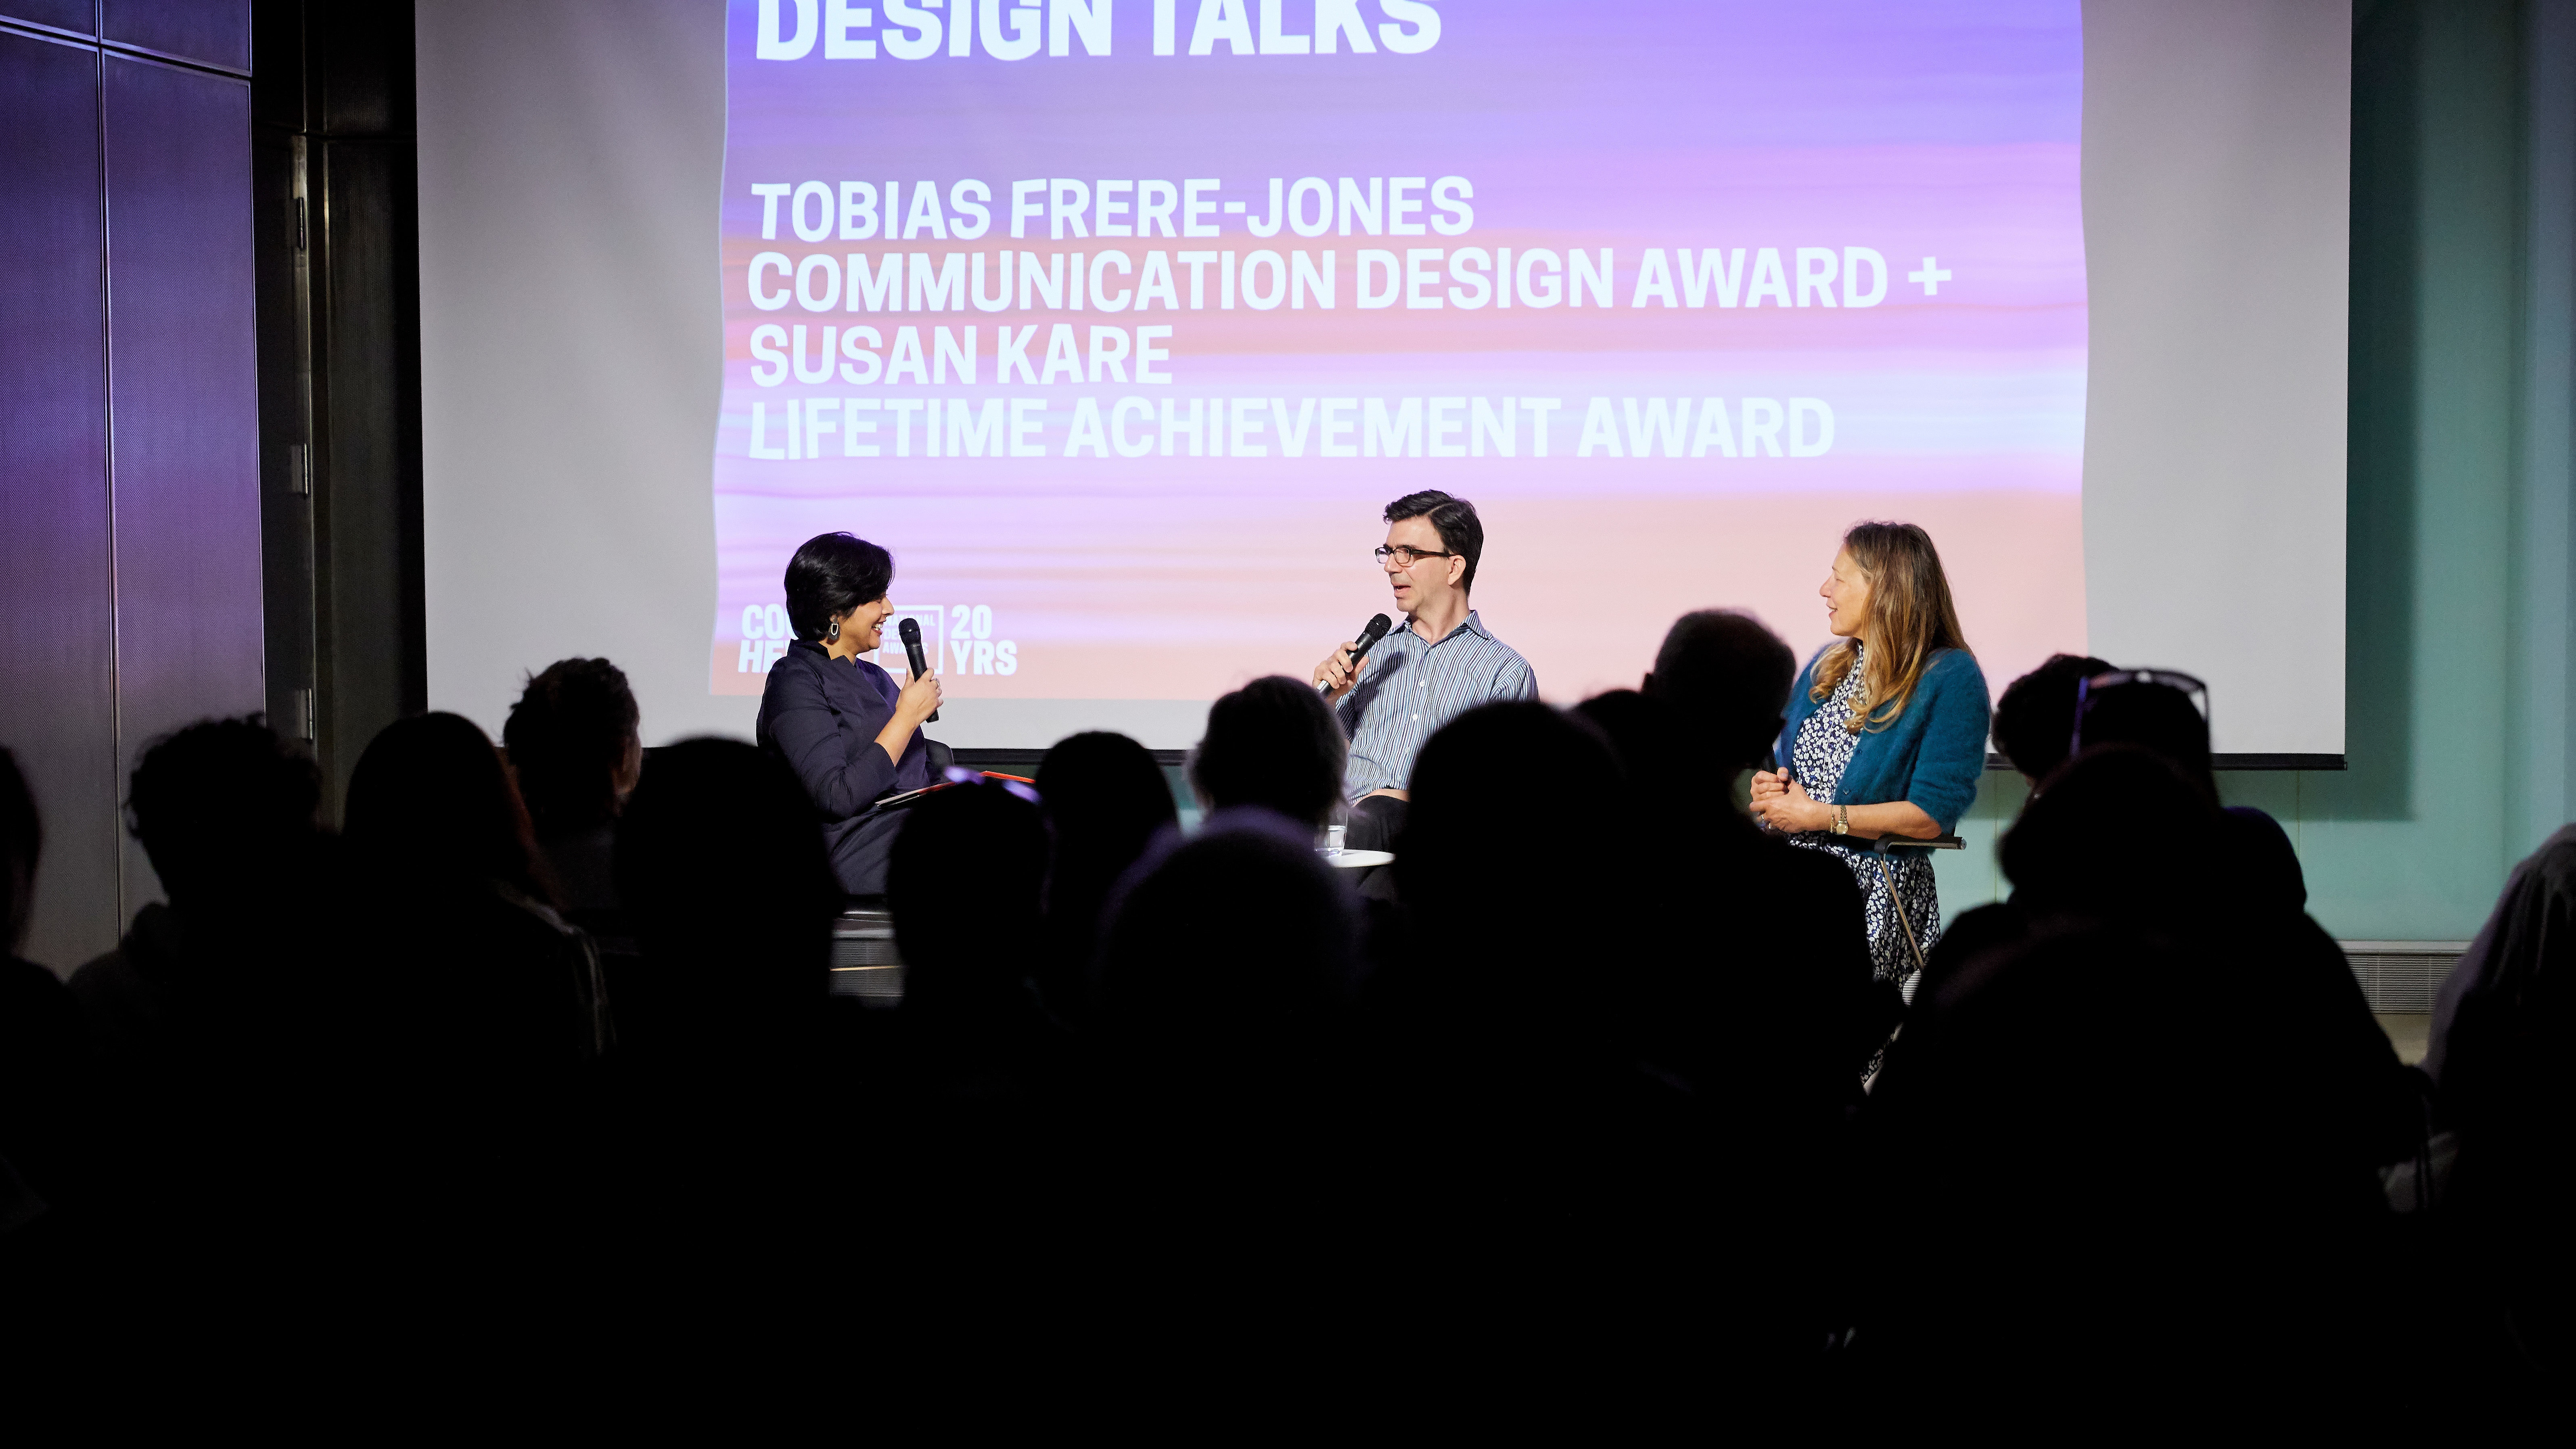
1910	618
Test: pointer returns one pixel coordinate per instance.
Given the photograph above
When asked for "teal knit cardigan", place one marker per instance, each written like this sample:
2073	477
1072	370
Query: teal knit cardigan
1932	756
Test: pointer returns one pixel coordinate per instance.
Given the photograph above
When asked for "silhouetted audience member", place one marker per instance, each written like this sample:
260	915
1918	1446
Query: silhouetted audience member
732	1145
1513	1108
1749	979
1225	973
1274	744
218	1017
2497	1053
489	1013
727	981
575	751
1216	1159
2034	725
1772	930
963	884
2034	1094
2167	869
226	812
2263	865
495	987
2035	719
2262	870
1103	797
1226	966
47	1079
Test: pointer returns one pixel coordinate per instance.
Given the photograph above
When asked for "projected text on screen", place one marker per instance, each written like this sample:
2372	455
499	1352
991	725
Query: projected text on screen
1118	322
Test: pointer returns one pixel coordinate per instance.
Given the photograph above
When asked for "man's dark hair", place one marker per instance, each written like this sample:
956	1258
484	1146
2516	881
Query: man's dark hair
2036	716
570	736
1726	676
1272	743
830	575
1454	519
22	838
214	802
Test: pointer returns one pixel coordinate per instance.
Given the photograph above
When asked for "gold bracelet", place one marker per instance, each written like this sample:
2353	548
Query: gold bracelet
1842	820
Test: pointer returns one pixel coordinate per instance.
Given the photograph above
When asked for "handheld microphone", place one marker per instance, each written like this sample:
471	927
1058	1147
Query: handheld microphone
910	629
1370	633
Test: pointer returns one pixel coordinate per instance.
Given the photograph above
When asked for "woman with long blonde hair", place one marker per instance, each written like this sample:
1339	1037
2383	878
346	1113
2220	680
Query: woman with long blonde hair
1886	734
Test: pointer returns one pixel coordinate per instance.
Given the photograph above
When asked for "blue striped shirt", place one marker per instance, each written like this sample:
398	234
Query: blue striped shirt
1410	686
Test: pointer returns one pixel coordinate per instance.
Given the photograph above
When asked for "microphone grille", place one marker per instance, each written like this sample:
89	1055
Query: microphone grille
1378	626
909	631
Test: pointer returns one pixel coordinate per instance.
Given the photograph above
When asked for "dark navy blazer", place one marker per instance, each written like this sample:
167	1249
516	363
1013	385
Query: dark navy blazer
821	715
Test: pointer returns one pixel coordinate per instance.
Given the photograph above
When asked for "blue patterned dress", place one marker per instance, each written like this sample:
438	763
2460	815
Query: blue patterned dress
1817	758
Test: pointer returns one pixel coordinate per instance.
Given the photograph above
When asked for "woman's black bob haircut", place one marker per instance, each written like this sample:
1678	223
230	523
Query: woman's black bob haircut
831	575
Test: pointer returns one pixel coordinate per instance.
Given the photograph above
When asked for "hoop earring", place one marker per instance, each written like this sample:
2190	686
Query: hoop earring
835	635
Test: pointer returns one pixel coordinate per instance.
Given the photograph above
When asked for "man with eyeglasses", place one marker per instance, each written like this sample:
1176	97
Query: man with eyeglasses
1420	677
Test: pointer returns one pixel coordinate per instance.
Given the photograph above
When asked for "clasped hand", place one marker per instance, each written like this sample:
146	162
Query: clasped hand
1780	802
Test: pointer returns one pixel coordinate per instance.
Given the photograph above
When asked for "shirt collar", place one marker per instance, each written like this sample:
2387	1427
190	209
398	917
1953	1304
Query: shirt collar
1472	625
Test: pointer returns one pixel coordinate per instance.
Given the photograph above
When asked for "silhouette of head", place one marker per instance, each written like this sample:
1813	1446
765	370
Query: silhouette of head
1644	731
431	806
2117	833
1238	949
1476	857
962	882
1275	744
2036	716
731	885
1104	797
573	744
22	838
2157	717
214	804
1726	677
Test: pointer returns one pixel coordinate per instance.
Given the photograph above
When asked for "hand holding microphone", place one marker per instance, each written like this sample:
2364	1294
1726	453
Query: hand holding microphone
1336	673
922	679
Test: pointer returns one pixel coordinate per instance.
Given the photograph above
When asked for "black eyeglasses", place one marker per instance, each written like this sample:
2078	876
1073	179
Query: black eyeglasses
1405	557
2092	687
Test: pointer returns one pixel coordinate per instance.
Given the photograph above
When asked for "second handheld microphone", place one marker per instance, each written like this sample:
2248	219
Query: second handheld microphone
1370	633
910	629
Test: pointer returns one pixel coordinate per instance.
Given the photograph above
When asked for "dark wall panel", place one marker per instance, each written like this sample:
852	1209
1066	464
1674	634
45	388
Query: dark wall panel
184	403
286	518
374	652
362	72
57	618
208	32
77	16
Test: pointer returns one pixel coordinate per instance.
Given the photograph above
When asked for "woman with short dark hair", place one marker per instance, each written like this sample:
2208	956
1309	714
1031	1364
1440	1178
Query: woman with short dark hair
837	720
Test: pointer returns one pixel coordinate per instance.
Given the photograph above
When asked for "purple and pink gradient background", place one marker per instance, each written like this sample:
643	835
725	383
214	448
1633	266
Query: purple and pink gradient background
1939	130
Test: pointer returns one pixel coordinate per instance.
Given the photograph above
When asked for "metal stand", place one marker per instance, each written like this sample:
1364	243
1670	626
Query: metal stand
1879	848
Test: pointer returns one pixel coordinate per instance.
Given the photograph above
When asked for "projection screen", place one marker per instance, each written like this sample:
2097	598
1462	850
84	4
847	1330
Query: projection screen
1119	322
